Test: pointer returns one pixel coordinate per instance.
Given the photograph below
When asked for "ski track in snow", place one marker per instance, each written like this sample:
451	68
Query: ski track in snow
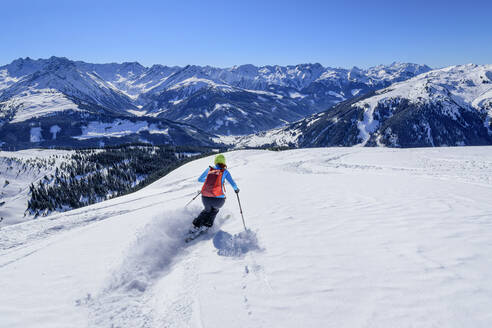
151	256
346	237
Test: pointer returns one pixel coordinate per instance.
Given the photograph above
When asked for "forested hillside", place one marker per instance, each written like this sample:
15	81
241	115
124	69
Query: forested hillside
64	180
94	175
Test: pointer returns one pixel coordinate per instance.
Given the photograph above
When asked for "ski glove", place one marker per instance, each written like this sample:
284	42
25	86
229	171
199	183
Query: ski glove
237	191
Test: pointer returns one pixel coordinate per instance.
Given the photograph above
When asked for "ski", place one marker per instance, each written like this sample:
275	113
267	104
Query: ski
195	234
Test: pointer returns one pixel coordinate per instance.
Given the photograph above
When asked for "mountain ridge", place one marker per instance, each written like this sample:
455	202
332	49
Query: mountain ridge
447	107
259	98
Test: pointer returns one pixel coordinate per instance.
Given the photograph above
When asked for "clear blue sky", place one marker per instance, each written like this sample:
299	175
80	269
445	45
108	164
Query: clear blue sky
224	33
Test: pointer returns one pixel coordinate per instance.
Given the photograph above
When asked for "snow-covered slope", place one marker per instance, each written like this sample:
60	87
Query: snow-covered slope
345	237
121	76
456	106
445	107
57	85
18	170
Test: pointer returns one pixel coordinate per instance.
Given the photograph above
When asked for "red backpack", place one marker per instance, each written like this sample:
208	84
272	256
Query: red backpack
213	184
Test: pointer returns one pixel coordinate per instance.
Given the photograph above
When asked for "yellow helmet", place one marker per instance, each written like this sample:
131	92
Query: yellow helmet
219	159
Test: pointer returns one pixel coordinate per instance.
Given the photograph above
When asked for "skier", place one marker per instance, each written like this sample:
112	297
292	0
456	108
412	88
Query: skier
213	197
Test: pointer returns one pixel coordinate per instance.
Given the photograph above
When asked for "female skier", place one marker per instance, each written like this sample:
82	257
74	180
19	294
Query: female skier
213	196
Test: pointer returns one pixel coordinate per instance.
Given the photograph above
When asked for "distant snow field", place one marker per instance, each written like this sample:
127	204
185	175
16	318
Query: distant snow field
340	237
54	131
118	128
36	134
34	103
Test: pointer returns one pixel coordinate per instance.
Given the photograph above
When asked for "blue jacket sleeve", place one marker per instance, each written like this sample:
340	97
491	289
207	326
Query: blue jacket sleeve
204	175
228	176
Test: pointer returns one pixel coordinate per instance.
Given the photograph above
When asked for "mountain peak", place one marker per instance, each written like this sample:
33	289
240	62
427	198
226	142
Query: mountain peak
54	63
133	64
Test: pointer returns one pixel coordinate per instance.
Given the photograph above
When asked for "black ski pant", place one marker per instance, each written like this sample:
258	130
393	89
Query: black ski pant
207	216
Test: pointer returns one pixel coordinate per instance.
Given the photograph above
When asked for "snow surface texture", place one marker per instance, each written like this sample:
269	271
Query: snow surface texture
345	237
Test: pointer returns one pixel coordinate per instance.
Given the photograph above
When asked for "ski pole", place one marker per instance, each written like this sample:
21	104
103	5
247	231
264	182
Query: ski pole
241	210
199	192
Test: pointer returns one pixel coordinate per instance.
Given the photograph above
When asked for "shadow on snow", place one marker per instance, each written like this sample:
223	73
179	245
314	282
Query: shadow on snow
235	245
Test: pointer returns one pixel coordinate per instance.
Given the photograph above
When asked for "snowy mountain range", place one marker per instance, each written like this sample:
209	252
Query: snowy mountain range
445	107
92	98
57	102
